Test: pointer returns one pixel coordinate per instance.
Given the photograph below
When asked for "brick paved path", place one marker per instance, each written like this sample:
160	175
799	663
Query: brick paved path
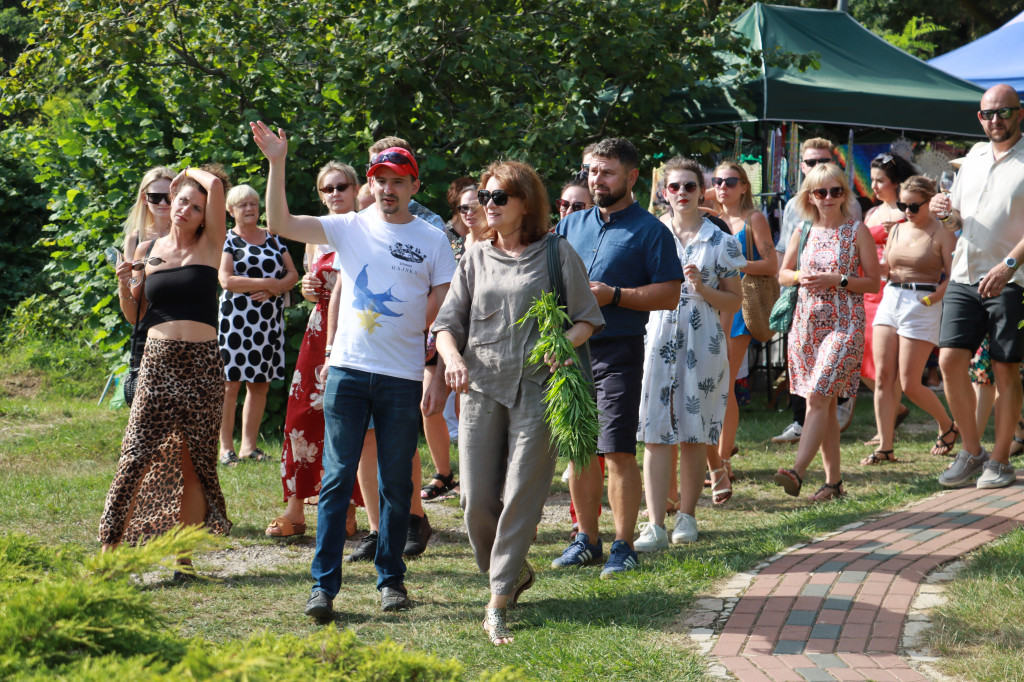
835	609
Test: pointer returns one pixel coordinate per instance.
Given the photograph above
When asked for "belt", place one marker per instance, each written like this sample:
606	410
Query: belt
915	286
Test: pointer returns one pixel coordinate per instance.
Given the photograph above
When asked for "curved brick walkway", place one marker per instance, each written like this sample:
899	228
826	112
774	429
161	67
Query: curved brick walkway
835	609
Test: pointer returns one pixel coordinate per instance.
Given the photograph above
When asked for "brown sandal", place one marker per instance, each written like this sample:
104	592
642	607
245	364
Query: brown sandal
790	481
942	446
281	527
878	457
828	491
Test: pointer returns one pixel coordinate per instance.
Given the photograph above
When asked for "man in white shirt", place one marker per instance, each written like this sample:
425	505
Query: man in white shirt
389	262
986	289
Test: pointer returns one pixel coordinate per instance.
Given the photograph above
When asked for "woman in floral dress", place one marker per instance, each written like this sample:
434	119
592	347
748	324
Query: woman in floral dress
686	364
826	341
304	421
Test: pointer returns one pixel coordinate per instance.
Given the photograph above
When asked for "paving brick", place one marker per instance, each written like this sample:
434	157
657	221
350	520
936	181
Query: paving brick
882	645
925	535
838	603
830	617
877	589
862	614
842	589
875	674
825	632
769	662
814	590
853	576
887	630
735	663
858	660
801	618
771	619
785	675
822	578
752	676
796	661
827	660
749	604
845	674
795	632
820	646
779	604
868	546
907	674
808	603
815	675
851	644
830	567
788	646
741	620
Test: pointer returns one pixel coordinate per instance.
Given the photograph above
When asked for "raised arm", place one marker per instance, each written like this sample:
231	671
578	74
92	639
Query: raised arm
301	228
215	218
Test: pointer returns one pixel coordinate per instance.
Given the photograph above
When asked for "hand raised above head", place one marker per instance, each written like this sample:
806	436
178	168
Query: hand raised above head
274	146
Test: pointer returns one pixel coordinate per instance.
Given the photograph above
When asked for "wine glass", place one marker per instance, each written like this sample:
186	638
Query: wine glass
946	184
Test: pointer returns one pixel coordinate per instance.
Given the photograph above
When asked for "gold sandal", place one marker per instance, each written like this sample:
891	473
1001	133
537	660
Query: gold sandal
496	627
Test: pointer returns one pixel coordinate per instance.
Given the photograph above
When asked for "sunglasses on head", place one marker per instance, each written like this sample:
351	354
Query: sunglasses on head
688	186
570	206
499	196
910	208
388	157
157	197
331	189
466	209
823	193
811	163
884	159
1002	112
728	182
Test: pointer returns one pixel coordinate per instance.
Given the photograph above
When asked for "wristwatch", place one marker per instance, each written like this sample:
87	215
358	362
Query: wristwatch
843	281
1011	262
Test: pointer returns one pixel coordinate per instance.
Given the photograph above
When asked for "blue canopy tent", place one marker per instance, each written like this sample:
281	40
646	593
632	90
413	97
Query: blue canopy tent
992	59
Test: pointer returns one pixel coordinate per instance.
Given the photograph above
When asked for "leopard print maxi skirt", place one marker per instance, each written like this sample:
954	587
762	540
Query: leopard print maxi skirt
177	407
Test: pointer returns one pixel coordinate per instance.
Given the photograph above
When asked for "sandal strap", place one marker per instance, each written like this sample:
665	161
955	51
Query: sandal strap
496	624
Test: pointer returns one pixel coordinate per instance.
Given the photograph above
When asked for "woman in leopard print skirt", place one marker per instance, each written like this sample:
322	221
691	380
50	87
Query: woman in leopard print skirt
167	473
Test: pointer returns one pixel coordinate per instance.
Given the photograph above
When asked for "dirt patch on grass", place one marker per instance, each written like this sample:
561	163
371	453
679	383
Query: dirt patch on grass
26	385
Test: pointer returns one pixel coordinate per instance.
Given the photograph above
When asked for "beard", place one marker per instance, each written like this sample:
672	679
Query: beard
609	199
385	208
1007	133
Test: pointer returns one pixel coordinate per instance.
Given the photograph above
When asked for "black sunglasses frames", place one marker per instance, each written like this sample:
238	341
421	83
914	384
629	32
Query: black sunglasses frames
823	193
499	196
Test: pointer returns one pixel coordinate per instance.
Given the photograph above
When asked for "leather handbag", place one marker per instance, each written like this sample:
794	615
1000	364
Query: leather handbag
760	292
555	273
138	344
781	318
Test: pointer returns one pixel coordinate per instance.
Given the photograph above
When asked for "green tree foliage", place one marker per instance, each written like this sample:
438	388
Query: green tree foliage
911	39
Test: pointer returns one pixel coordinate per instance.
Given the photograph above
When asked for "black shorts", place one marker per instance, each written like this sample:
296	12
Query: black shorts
967	318
618	377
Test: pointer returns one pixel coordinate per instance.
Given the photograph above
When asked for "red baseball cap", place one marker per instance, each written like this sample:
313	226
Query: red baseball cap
397	159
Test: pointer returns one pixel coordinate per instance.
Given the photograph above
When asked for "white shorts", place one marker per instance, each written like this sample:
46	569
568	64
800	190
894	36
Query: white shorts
903	310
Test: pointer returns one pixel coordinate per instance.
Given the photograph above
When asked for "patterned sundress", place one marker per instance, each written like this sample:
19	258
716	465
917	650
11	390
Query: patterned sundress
686	358
826	341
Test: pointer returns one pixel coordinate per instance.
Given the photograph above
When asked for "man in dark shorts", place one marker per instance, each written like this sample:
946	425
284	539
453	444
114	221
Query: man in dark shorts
633	268
986	289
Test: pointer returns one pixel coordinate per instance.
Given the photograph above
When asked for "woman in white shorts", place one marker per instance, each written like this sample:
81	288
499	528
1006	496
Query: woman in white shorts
917	260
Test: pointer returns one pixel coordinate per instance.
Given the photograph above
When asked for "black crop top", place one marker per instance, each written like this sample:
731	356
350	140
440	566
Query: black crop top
188	292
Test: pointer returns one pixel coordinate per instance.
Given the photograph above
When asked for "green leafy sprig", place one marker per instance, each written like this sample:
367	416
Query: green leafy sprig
571	411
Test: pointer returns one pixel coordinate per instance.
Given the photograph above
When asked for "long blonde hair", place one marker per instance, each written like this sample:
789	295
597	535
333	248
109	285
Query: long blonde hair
140	221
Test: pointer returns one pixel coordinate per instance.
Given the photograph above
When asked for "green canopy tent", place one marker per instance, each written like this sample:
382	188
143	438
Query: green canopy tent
862	82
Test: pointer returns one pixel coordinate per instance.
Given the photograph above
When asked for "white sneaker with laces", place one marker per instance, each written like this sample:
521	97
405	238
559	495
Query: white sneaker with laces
791	434
652	538
685	530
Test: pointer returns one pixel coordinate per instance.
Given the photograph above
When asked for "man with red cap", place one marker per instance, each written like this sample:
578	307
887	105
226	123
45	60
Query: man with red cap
389	262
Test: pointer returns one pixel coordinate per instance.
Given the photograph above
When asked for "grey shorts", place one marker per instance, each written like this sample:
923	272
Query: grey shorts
967	318
618	377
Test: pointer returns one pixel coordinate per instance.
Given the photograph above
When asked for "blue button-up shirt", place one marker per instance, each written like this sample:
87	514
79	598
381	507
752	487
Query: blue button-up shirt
631	250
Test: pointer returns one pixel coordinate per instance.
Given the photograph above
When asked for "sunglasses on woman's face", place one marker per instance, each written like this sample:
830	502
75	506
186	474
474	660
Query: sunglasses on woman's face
823	193
499	196
331	189
689	186
728	182
570	206
910	208
466	209
157	197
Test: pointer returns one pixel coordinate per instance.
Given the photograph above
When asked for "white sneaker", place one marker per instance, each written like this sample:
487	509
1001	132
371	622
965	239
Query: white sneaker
790	435
996	475
844	413
685	530
652	538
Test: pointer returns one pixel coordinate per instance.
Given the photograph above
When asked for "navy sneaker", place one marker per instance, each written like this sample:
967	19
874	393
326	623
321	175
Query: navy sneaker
620	558
580	553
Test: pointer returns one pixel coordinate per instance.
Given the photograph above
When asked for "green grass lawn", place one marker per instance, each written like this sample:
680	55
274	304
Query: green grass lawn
58	452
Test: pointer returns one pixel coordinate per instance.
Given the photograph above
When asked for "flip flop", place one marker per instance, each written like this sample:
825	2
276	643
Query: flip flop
282	527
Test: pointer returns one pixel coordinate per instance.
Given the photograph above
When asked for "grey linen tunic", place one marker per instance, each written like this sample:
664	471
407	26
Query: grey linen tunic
506	460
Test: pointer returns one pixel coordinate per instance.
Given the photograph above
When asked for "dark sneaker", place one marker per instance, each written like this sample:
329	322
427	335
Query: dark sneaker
320	606
580	553
418	536
620	558
394	598
962	470
366	550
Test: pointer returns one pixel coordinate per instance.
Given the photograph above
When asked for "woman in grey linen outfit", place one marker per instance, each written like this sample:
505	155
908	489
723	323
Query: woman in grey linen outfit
505	454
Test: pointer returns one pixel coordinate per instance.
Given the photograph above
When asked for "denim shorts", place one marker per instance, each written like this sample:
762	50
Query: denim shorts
618	364
967	317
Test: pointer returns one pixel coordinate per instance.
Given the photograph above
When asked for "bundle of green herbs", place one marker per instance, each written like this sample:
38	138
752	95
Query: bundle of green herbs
571	411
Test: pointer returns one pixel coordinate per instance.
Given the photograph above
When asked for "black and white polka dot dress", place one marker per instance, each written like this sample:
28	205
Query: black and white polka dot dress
251	334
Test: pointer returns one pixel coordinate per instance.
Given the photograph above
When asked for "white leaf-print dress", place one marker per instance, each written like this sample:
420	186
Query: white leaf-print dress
686	360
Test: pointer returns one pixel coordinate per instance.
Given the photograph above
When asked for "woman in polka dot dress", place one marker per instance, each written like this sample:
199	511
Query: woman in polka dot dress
255	271
302	454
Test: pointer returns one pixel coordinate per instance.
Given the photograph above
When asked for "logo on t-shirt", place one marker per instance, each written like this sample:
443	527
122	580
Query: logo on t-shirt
407	252
370	304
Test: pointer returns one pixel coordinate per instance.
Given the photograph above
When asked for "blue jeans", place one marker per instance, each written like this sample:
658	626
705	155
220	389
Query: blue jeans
351	396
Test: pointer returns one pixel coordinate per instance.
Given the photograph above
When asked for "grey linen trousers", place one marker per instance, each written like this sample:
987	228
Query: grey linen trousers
506	462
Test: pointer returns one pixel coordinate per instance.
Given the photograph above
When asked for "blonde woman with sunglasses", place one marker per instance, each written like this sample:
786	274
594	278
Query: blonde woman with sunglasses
836	267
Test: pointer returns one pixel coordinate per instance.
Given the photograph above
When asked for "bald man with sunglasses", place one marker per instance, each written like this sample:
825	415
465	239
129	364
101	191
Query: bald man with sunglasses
986	288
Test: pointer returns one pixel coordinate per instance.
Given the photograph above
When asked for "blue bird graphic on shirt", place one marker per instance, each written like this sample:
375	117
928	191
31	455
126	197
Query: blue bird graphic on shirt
372	305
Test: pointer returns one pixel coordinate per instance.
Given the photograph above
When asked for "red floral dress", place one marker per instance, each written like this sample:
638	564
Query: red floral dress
301	459
826	341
